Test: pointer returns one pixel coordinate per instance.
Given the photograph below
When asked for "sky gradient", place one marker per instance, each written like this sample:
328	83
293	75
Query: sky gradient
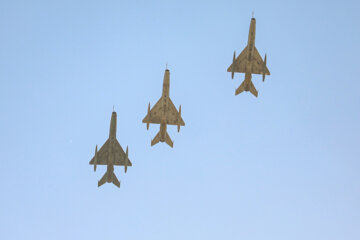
281	166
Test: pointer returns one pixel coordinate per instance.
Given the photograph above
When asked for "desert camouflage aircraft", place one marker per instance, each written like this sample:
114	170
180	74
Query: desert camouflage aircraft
249	62
164	112
110	154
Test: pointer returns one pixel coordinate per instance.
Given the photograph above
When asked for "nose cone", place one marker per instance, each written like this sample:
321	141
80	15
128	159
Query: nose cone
113	117
167	74
253	22
113	125
167	77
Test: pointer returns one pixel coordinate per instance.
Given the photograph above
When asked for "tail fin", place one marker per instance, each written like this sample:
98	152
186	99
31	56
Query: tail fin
156	139
168	140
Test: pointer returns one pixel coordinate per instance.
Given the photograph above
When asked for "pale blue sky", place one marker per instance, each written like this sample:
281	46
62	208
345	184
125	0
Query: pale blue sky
281	166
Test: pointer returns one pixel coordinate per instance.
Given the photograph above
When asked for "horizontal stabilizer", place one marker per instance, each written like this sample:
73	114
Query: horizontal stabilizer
240	89
103	179
115	181
247	87
168	140
156	139
253	89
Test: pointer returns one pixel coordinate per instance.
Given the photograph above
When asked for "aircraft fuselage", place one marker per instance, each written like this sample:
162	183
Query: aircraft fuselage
165	103
112	133
251	39
109	171
166	84
164	113
163	127
112	139
247	81
110	154
249	62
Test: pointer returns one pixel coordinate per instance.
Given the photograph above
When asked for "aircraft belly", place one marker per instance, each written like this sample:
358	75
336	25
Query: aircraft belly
110	154
166	114
249	62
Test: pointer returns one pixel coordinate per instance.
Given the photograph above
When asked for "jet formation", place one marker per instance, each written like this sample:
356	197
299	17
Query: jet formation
249	62
111	154
164	113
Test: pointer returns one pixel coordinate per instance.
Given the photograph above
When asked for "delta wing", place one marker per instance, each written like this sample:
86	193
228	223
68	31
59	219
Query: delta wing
154	116
173	116
258	64
240	62
106	149
102	154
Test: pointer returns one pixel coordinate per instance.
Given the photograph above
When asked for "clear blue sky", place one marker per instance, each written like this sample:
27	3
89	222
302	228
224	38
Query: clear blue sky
281	166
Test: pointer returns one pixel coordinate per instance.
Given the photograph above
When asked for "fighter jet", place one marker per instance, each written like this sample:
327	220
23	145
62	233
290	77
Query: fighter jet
249	62
110	154
164	112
